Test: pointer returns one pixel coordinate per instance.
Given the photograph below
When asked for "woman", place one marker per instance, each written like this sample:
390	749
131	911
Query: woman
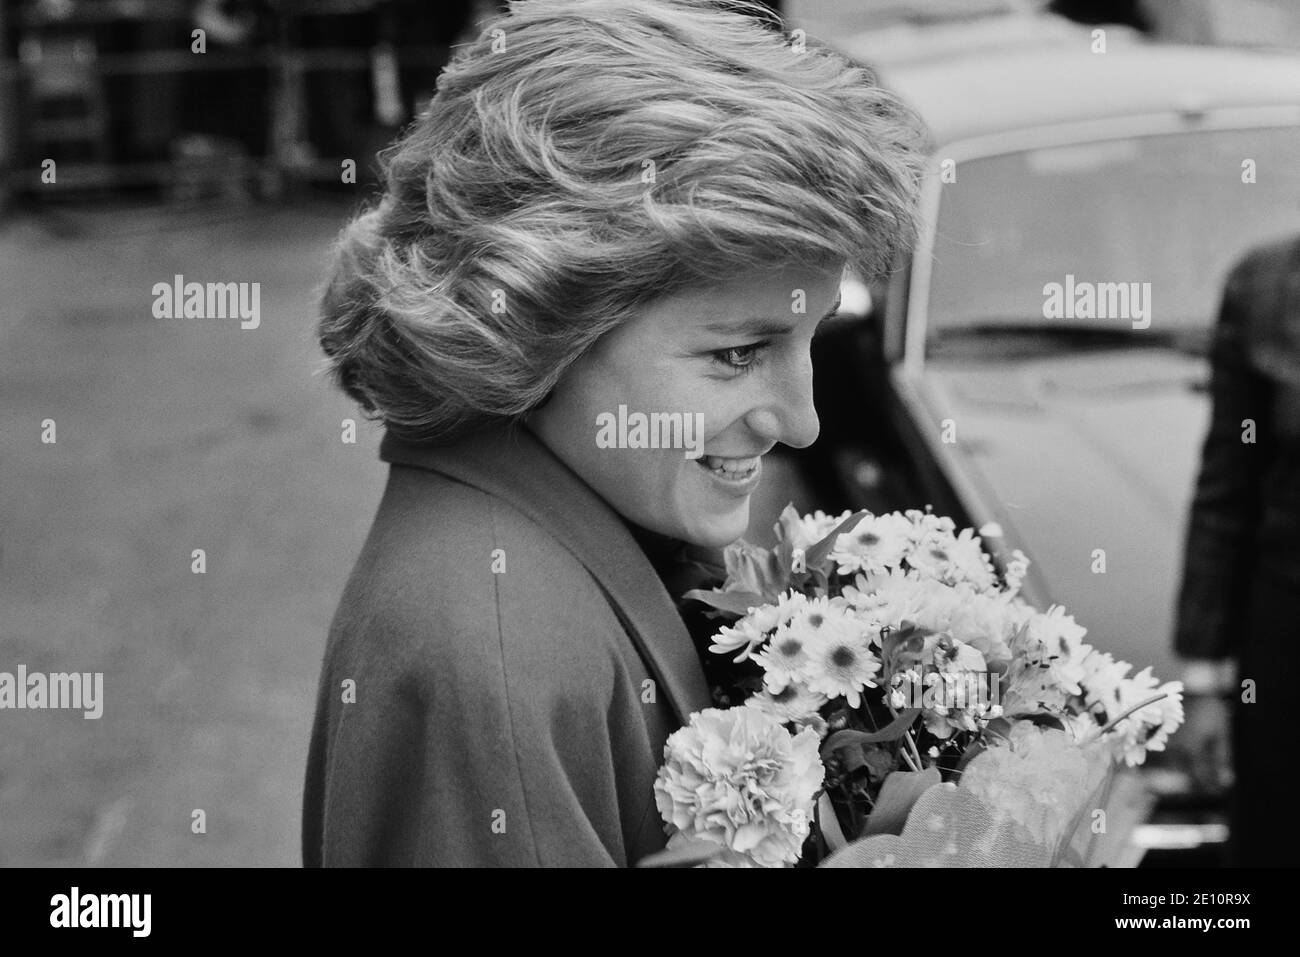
615	212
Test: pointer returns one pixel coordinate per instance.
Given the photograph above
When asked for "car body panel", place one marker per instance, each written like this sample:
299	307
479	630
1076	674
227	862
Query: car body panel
1062	82
1084	452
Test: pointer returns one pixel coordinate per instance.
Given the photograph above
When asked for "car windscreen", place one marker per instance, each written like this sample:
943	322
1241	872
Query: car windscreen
1108	240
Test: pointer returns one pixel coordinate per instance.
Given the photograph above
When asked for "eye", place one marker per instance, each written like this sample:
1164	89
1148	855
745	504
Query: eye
739	359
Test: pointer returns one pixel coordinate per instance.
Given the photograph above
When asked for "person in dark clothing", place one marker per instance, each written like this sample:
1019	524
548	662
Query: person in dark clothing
1127	13
1240	595
422	35
232	103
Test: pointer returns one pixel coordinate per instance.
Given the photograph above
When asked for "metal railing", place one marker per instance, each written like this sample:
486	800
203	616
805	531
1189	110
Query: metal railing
53	62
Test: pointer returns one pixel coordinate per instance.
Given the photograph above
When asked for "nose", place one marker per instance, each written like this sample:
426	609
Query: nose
785	413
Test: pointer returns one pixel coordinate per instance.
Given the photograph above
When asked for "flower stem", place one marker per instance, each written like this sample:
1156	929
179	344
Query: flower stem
1136	707
907	757
912	756
916	754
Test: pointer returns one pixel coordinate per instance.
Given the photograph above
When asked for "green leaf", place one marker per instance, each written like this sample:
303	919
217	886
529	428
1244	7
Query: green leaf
815	555
762	571
783	556
695	851
1044	717
749	567
1000	727
735	603
853	758
829	824
787	522
897	795
880	762
969	755
820	580
890	732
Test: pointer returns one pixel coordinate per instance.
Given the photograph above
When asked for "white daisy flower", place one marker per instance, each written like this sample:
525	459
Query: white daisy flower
1148	728
876	543
1102	681
1016	570
749	632
811	529
953	559
784	658
970	562
794	703
743	636
841	663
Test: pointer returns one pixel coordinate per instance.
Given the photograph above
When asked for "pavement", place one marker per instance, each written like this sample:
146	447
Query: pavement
171	436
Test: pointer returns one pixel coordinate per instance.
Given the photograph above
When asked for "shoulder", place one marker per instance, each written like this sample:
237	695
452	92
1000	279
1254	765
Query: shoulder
1263	263
1255	299
456	586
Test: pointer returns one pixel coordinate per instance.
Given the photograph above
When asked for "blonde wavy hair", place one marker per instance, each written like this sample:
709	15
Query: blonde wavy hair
583	157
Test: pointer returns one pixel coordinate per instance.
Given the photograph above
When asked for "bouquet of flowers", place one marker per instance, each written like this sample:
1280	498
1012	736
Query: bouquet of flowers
896	702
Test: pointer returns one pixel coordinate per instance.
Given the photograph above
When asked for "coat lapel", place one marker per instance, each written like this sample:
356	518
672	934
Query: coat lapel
512	464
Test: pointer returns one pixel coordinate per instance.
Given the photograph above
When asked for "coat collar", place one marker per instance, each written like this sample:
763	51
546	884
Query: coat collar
514	465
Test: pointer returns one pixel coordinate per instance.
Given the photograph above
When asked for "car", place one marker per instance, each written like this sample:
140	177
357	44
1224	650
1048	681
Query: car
1036	366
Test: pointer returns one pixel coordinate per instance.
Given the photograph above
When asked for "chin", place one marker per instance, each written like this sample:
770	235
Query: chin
718	531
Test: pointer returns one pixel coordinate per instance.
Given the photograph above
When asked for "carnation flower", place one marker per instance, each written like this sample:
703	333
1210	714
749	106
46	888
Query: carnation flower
887	599
987	623
738	778
1036	777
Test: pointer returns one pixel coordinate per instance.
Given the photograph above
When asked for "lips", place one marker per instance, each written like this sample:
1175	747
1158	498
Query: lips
731	468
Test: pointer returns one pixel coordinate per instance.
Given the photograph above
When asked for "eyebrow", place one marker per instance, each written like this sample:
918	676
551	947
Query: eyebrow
760	326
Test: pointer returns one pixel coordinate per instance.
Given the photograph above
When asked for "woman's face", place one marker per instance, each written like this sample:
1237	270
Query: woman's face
732	358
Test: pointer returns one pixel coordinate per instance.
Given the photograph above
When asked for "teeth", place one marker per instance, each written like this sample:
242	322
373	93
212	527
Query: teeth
735	467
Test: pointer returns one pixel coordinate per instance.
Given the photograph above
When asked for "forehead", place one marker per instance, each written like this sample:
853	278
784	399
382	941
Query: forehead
774	293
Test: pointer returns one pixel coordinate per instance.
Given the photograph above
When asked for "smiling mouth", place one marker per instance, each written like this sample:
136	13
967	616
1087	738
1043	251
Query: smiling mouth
736	470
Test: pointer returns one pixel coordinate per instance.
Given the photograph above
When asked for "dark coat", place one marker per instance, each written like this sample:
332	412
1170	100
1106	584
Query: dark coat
512	717
1245	515
1240	593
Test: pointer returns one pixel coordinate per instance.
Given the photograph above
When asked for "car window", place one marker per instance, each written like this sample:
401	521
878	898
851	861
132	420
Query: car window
1175	211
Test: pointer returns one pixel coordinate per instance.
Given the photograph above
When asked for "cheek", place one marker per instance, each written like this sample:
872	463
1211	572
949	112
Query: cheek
658	479
724	406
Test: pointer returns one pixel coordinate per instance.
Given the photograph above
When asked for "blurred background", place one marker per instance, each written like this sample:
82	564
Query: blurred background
233	164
